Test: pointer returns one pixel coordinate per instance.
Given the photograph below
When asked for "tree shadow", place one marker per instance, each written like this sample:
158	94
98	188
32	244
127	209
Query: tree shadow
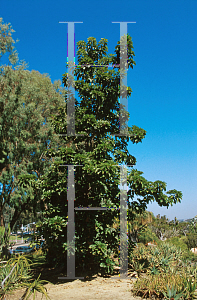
51	274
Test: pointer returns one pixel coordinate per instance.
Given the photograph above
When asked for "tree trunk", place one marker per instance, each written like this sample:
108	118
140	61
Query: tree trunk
2	218
15	218
16	215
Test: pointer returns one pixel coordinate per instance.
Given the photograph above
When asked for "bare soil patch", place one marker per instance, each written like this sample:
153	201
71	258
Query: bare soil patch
92	287
97	288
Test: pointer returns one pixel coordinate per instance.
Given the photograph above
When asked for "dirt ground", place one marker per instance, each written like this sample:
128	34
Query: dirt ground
91	288
98	288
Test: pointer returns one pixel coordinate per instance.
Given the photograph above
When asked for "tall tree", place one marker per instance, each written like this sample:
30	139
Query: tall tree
7	42
27	102
96	183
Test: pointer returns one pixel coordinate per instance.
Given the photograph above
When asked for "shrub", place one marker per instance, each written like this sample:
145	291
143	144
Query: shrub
154	260
179	242
167	275
19	275
148	236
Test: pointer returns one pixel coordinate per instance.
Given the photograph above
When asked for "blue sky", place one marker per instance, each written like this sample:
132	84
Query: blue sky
163	81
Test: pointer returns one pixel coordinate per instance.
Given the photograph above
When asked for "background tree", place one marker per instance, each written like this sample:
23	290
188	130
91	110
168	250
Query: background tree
191	240
27	102
183	228
193	226
138	225
138	228
165	229
160	226
96	183
7	42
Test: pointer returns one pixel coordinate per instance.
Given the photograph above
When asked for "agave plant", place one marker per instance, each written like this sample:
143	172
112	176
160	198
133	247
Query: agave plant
172	294
156	251
17	274
164	263
190	288
154	271
13	273
32	288
138	267
193	271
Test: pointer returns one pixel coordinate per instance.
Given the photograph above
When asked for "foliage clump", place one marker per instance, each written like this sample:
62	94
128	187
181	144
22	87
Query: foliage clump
16	273
162	273
27	101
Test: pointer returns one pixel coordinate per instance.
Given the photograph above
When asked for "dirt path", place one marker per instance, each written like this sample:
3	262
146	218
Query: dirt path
92	287
96	288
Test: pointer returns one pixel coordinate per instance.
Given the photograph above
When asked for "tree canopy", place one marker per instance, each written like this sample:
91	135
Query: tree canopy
27	102
100	153
7	42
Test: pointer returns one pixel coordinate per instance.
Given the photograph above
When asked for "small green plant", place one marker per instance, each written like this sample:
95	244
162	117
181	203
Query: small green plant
154	271
190	288
18	270
17	273
146	287
164	263
157	259
157	284
178	242
139	267
32	288
172	294
107	263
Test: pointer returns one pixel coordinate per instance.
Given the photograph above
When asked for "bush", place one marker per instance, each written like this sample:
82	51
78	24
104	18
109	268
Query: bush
148	236
19	272
191	241
154	259
167	275
178	242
